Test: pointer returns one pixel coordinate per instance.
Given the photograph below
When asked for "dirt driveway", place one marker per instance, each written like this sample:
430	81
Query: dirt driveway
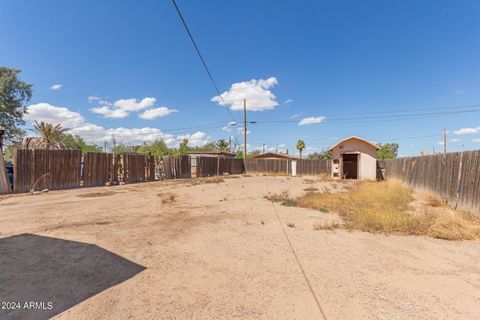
173	250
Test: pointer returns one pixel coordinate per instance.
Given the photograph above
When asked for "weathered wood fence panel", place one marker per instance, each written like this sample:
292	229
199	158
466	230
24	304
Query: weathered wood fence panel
313	167
455	179
275	166
230	166
97	169
133	168
213	166
208	166
50	169
176	167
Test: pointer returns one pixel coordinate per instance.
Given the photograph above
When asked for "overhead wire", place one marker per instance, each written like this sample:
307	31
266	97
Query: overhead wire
202	59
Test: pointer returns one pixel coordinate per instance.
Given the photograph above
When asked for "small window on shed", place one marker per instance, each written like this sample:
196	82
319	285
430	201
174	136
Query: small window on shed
336	161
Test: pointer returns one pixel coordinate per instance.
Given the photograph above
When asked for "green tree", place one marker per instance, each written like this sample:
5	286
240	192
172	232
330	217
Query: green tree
322	155
239	154
122	149
387	151
76	142
183	147
157	148
300	146
222	145
14	96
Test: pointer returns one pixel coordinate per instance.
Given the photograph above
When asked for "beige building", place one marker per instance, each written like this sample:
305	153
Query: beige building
354	158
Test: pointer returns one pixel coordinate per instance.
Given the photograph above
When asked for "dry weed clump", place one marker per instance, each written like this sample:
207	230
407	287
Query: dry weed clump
327	226
385	207
167	197
290	224
283	198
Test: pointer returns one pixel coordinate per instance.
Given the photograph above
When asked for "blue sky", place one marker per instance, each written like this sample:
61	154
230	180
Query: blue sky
320	60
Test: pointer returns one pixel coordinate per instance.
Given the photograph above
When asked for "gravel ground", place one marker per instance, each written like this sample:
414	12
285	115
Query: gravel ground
177	250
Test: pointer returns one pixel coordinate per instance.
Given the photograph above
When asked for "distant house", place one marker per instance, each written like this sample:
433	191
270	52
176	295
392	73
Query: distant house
214	154
354	158
273	155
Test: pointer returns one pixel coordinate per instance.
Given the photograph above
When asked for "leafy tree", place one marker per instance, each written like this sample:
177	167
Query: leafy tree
239	154
76	142
122	149
183	147
14	96
300	146
322	155
387	151
157	148
222	145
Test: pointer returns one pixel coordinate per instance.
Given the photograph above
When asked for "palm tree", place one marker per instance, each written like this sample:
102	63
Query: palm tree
222	145
49	137
300	146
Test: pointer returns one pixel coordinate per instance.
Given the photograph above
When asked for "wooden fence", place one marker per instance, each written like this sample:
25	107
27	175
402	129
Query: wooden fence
60	169
313	167
176	167
214	166
272	166
284	166
455	179
46	169
98	169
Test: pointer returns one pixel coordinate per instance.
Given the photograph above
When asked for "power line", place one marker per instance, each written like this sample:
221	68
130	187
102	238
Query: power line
202	59
407	116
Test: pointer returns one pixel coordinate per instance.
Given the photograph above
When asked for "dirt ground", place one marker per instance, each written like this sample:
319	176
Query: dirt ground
173	250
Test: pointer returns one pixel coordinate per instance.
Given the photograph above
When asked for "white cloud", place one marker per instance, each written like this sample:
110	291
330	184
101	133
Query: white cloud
108	112
56	86
467	130
310	120
93	98
256	92
132	105
476	140
459	91
295	116
123	107
288	101
93	133
196	139
154	113
55	115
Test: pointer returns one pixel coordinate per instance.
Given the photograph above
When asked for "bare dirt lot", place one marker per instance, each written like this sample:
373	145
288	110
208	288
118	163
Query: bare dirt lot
177	250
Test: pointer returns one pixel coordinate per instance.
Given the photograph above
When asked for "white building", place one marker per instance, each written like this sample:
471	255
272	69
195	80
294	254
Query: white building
354	158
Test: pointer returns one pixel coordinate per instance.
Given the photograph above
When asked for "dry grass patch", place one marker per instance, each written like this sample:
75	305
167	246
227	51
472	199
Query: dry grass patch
385	207
327	226
283	198
167	197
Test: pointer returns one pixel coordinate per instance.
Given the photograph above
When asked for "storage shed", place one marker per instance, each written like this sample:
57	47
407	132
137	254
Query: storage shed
354	158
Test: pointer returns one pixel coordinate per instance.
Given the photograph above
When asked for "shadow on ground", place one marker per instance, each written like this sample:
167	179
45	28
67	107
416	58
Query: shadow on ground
43	269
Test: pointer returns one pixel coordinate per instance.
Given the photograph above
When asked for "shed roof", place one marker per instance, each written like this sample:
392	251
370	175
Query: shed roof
220	153
355	138
275	155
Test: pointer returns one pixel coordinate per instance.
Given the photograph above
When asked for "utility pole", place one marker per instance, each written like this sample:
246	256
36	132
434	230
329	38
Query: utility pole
244	128
444	144
263	148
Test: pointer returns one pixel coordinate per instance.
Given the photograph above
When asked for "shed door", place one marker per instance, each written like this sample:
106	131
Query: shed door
350	166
